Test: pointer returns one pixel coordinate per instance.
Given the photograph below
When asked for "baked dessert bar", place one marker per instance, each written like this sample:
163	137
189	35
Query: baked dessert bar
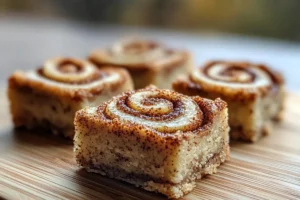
147	61
156	139
49	97
254	93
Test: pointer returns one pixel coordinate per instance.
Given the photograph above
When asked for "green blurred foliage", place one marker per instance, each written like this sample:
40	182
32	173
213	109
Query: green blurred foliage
270	18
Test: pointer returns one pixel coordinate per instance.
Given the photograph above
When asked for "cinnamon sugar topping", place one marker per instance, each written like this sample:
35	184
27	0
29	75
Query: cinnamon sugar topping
230	72
70	66
161	110
70	70
139	46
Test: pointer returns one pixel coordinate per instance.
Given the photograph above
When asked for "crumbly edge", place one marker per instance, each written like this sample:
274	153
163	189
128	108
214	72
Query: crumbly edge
29	121
171	190
144	74
101	58
237	133
165	78
90	127
185	86
23	118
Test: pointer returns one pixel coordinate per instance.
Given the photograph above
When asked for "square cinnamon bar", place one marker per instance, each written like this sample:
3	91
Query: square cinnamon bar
49	97
148	62
254	94
156	139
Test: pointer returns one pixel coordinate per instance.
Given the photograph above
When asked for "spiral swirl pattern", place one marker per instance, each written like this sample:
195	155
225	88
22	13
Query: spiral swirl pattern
161	110
77	77
134	53
70	70
232	75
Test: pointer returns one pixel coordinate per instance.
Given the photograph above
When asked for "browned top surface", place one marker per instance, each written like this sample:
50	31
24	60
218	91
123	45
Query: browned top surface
20	80
42	166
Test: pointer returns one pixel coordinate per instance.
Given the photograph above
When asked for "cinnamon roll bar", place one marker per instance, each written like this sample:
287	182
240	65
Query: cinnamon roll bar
49	97
156	139
147	61
254	93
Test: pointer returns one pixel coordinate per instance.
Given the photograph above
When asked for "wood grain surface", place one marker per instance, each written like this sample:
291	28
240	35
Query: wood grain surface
41	166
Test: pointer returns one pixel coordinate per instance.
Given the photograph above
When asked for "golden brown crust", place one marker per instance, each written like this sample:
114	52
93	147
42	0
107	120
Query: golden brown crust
237	81
171	190
73	87
165	58
245	66
157	139
254	93
148	62
120	115
96	58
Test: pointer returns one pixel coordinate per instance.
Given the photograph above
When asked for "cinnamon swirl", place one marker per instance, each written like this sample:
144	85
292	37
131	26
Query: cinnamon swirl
50	96
254	93
159	140
148	62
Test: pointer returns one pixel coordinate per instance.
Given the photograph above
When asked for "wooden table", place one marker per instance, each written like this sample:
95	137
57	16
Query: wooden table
41	166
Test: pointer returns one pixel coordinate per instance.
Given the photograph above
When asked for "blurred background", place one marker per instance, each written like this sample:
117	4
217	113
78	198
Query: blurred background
265	31
267	18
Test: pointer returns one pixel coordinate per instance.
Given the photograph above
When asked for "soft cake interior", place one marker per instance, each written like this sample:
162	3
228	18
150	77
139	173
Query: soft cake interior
161	77
248	119
166	76
34	109
171	170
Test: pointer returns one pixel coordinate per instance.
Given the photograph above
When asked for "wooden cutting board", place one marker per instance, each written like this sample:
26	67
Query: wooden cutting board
35	166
